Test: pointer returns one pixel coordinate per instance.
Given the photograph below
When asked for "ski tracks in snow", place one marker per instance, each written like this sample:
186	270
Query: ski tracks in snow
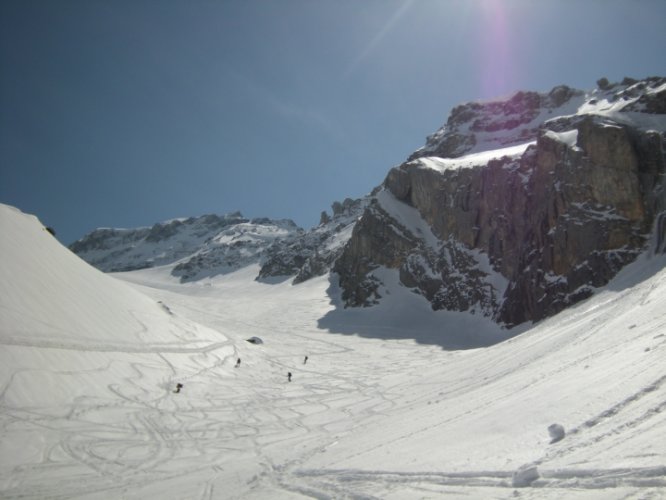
249	433
381	484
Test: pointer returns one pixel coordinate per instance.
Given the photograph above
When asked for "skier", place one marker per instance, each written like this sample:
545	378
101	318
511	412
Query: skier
289	376
305	360
179	386
238	363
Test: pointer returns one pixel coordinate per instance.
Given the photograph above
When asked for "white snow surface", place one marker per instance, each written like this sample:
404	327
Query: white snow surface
89	362
570	137
479	159
409	218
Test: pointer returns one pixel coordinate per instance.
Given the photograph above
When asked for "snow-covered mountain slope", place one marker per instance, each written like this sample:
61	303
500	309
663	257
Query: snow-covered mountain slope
51	298
371	414
201	247
213	243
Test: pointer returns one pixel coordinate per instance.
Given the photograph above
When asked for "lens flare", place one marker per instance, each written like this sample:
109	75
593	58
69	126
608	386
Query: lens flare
497	65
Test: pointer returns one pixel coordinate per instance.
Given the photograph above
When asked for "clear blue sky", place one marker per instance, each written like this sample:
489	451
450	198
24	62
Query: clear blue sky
122	113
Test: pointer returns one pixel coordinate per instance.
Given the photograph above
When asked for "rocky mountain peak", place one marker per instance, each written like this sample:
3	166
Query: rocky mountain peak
481	126
517	208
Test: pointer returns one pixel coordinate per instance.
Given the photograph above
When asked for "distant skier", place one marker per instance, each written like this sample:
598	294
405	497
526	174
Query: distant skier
179	386
238	363
289	376
305	360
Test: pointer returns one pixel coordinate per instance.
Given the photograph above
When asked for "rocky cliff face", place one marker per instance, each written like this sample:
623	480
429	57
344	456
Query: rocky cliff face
314	252
519	208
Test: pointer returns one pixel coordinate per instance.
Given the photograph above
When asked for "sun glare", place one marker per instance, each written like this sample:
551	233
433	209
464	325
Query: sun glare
496	62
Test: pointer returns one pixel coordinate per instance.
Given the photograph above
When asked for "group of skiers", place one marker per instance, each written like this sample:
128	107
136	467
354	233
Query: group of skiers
179	386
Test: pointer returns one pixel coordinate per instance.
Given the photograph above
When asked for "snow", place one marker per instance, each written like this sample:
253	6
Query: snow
211	238
85	308
525	476
250	232
88	363
570	137
491	128
409	218
614	104
480	159
493	277
599	213
504	135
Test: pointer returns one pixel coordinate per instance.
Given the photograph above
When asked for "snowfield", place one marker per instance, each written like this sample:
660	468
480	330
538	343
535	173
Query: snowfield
89	363
471	160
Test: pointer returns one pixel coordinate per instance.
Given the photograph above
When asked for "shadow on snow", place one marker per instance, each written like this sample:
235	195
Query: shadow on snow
404	315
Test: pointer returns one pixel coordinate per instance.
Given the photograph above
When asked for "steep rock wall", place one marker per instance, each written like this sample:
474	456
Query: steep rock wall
520	237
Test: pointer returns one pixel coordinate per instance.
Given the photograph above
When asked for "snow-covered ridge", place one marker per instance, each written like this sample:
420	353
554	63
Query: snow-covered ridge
483	126
236	246
475	127
202	247
223	239
471	160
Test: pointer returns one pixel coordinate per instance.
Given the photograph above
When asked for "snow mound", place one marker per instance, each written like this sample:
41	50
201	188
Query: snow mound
525	476
556	432
49	297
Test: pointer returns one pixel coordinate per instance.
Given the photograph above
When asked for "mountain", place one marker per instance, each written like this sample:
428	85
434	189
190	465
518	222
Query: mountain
314	252
519	208
216	240
515	209
396	400
200	247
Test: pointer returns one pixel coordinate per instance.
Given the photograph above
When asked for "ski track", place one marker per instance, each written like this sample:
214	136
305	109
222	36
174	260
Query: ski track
248	433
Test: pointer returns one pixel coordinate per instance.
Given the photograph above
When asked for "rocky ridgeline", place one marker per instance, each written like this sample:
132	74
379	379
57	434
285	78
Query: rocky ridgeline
200	247
195	247
313	253
482	126
521	234
234	247
115	250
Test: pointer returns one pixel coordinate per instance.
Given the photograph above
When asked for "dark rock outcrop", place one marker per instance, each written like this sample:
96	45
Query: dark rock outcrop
522	235
490	125
314	252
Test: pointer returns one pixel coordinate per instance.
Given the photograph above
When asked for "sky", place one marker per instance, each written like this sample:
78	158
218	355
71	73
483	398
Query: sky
129	112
